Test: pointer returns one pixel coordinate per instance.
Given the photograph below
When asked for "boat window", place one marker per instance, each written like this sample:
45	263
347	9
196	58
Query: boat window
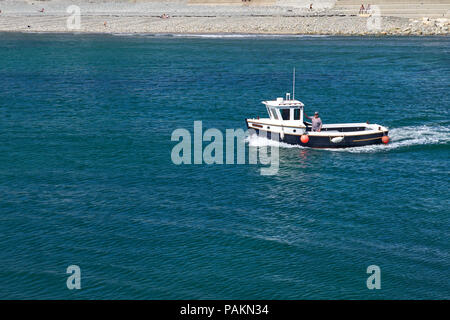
274	113
285	114
296	114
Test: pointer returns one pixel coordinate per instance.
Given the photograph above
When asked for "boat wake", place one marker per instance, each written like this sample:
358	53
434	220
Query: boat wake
402	137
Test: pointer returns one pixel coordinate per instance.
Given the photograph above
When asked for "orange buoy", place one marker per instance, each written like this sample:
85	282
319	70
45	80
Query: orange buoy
385	139
304	138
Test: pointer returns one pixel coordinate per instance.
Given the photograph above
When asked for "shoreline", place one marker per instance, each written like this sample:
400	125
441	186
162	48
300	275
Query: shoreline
211	35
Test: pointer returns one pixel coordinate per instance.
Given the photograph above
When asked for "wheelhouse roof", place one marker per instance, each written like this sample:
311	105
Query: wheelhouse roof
281	103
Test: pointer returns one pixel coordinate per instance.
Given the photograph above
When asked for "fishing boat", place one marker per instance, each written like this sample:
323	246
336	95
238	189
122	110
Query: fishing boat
287	122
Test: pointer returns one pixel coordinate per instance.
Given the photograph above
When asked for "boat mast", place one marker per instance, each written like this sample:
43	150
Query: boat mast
293	85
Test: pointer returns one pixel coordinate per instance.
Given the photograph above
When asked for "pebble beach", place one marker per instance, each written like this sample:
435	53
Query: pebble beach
184	17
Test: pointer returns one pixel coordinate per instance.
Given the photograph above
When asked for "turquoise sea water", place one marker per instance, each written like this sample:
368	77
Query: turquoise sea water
86	176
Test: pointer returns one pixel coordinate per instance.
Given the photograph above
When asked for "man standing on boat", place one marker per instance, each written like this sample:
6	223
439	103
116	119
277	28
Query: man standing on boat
316	122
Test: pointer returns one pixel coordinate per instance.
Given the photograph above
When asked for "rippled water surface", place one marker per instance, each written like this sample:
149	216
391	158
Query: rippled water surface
86	176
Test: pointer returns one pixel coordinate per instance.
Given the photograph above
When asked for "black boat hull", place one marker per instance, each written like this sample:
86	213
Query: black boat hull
325	141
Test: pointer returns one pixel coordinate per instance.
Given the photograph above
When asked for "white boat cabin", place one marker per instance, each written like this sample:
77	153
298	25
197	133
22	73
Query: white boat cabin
288	111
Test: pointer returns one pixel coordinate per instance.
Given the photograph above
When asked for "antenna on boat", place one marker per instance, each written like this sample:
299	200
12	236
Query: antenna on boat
293	85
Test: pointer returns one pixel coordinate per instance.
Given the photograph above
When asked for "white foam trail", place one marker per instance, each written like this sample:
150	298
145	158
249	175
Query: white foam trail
126	34
218	35
256	141
399	138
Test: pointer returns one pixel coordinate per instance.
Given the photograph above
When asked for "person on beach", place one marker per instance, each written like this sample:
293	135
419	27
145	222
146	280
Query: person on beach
361	9
368	8
310	6
316	122
42	10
